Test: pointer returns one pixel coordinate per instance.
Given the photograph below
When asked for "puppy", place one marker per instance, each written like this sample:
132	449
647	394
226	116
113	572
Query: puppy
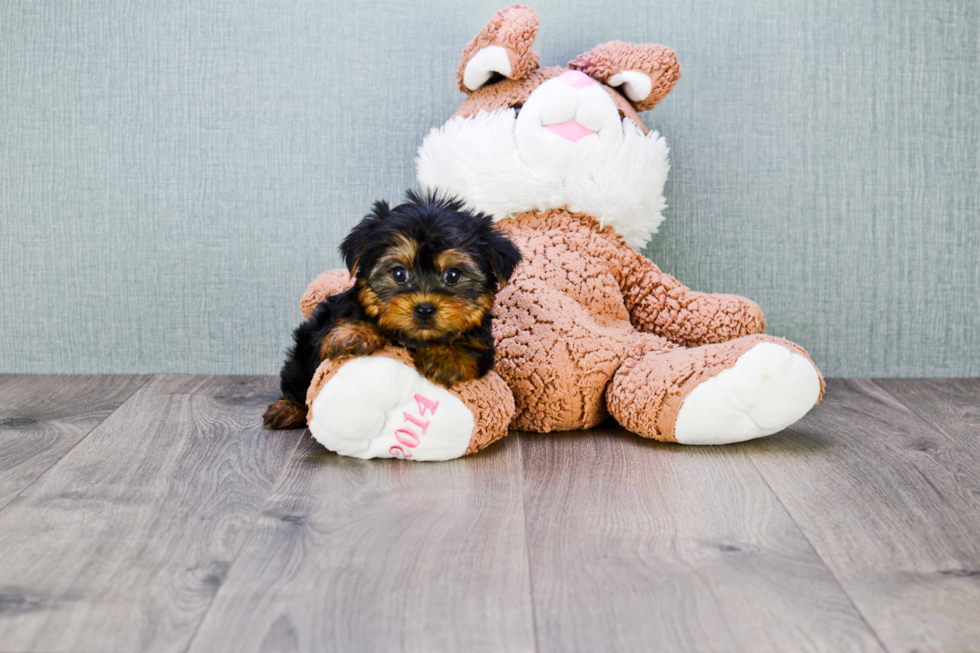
425	275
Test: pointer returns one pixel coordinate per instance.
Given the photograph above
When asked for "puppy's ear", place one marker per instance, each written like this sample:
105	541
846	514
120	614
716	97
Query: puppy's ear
503	254
362	235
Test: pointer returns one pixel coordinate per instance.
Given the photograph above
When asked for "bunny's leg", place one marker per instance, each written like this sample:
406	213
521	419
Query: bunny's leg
380	407
738	390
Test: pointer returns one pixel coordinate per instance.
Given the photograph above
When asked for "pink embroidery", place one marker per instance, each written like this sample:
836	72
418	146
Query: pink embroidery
412	439
405	435
417	422
398	452
424	403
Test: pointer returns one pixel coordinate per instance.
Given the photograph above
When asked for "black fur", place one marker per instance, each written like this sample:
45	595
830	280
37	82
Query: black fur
304	356
486	357
439	223
435	223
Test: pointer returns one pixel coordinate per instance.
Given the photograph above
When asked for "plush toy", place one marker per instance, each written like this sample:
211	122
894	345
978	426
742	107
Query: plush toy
587	327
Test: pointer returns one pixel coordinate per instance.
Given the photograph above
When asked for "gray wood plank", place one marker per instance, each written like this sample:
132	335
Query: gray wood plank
644	546
122	544
951	406
43	416
354	555
893	507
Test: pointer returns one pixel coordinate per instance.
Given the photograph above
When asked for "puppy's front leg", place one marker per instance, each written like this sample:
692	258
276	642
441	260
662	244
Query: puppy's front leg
348	338
447	364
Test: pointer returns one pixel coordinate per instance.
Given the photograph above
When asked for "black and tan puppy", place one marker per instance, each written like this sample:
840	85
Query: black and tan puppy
425	273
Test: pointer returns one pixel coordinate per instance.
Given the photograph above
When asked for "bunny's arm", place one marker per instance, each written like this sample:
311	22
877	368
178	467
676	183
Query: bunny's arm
331	282
658	303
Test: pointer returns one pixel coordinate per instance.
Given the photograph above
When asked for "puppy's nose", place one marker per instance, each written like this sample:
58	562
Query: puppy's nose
424	311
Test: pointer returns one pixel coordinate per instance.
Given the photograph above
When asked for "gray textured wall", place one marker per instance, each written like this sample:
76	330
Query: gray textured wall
173	174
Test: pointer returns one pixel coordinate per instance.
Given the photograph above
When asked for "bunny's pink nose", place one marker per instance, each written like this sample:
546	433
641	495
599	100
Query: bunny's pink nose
576	79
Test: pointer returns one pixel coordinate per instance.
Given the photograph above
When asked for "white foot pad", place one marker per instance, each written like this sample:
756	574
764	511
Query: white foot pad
768	388
376	407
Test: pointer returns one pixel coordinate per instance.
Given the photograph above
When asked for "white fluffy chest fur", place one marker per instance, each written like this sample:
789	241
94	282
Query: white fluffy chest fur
478	160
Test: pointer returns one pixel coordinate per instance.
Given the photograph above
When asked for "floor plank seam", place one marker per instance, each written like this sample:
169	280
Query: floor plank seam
248	535
917	415
816	552
527	543
92	430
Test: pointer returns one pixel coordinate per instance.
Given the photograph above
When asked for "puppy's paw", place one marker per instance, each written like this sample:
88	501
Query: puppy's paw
349	338
445	364
284	414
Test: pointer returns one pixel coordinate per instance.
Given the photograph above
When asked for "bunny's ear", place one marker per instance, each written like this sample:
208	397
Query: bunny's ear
503	46
646	73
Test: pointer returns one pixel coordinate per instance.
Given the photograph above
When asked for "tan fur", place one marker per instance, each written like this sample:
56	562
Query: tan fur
453	314
368	298
351	338
285	414
452	257
445	365
403	251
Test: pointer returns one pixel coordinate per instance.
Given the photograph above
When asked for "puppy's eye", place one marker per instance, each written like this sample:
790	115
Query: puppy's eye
400	275
452	276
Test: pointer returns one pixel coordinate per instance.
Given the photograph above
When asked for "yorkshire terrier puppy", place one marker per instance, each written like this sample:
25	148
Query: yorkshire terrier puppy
425	275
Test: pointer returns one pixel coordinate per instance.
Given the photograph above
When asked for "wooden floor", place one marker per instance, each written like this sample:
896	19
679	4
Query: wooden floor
154	514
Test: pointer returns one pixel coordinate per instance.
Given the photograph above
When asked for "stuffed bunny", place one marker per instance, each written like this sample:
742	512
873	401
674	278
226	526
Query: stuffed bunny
587	327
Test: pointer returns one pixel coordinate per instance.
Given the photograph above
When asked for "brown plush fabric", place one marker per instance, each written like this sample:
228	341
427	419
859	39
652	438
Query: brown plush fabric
488	398
608	59
492	404
587	326
512	28
660	304
561	326
587	293
509	93
331	282
648	390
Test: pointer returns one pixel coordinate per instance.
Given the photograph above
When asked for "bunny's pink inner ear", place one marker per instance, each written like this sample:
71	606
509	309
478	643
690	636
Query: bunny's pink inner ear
645	73
503	47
